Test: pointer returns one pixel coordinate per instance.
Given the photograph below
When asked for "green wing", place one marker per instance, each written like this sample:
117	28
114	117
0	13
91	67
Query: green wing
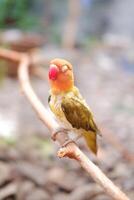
78	114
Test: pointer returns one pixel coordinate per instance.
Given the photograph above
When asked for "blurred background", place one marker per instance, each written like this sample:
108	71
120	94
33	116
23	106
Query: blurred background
97	37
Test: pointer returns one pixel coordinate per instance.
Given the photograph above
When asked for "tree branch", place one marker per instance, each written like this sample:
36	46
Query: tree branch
10	55
71	150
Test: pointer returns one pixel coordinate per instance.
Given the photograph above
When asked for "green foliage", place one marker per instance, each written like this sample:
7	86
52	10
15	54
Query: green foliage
16	13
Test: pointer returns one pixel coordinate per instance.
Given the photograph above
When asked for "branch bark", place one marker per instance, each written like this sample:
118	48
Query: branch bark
71	150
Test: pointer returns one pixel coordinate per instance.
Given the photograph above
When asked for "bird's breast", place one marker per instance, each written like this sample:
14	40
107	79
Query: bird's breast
55	106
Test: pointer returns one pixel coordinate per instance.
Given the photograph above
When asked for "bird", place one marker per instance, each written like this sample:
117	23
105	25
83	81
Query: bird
68	106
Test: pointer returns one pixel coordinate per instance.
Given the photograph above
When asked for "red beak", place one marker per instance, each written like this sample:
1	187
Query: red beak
53	72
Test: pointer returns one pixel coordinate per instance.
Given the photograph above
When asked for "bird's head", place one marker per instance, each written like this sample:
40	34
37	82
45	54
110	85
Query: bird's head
60	75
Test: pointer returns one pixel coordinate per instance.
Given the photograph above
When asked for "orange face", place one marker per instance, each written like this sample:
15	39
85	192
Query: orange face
60	75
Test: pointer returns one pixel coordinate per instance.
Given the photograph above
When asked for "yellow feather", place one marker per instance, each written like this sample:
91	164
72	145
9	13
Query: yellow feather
90	138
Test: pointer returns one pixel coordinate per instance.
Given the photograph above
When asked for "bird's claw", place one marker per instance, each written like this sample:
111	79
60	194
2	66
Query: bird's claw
58	130
68	142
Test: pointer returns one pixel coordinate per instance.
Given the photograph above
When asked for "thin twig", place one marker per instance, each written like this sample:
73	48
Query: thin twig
35	61
10	55
71	150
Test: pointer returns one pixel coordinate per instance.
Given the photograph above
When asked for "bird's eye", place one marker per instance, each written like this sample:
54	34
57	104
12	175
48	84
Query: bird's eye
64	68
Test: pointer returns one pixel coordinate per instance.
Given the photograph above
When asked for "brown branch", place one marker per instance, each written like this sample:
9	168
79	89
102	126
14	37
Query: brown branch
35	61
71	150
10	55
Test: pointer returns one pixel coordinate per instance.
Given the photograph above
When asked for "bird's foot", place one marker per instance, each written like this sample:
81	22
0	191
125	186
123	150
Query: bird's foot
72	140
77	137
68	142
58	130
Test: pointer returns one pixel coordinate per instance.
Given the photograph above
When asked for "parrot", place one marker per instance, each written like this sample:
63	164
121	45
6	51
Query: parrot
68	105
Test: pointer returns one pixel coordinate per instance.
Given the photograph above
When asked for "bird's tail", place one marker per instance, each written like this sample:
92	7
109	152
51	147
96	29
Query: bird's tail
90	138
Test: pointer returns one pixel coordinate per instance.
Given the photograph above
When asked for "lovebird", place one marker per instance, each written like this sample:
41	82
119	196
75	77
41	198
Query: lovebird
68	106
